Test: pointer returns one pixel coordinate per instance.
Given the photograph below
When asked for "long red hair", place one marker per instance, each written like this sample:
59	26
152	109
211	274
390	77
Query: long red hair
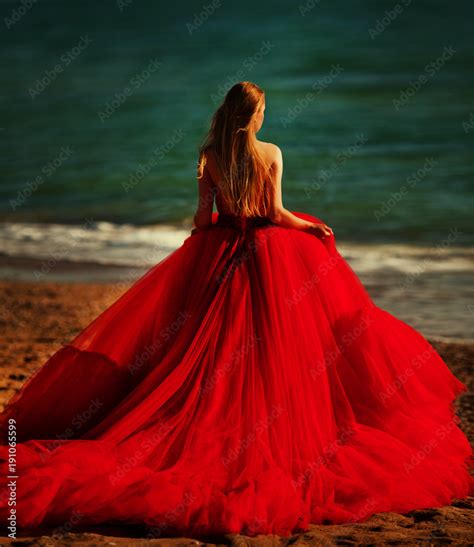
233	140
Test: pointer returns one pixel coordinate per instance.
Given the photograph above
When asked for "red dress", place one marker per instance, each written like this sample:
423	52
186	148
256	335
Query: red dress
246	383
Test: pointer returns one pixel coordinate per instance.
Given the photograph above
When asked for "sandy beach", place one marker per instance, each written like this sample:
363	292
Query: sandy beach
107	114
37	318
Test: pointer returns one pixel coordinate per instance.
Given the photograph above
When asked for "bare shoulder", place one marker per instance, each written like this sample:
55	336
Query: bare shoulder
211	166
271	151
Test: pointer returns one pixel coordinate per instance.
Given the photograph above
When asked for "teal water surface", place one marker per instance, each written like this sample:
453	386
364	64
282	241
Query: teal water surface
104	105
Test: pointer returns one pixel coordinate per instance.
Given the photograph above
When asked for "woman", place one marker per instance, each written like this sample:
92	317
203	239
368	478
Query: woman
247	383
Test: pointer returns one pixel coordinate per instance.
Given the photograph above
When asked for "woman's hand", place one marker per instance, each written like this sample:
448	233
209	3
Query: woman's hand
318	228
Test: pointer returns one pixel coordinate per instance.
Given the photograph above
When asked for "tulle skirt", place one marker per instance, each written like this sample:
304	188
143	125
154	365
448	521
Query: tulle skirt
247	383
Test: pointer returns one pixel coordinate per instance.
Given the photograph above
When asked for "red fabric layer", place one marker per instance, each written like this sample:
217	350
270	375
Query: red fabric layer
247	383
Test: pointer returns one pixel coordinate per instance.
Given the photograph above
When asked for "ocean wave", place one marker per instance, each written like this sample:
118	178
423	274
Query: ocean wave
429	287
93	242
140	246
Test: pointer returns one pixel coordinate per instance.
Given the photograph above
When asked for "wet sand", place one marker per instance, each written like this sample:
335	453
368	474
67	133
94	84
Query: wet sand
37	318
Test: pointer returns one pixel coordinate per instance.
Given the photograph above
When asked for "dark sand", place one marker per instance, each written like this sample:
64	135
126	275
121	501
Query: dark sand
36	319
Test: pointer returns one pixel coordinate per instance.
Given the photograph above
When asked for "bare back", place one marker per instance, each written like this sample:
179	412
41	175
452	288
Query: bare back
215	174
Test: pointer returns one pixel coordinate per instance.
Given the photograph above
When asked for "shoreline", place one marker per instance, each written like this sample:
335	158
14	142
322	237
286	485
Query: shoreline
432	291
31	269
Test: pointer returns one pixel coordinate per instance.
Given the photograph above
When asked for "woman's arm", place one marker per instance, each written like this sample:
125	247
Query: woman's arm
203	216
278	214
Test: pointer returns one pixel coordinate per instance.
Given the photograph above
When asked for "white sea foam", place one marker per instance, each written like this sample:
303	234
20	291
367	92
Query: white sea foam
135	246
101	242
429	287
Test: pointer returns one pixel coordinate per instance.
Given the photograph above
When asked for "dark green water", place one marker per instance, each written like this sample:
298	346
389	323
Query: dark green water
374	169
